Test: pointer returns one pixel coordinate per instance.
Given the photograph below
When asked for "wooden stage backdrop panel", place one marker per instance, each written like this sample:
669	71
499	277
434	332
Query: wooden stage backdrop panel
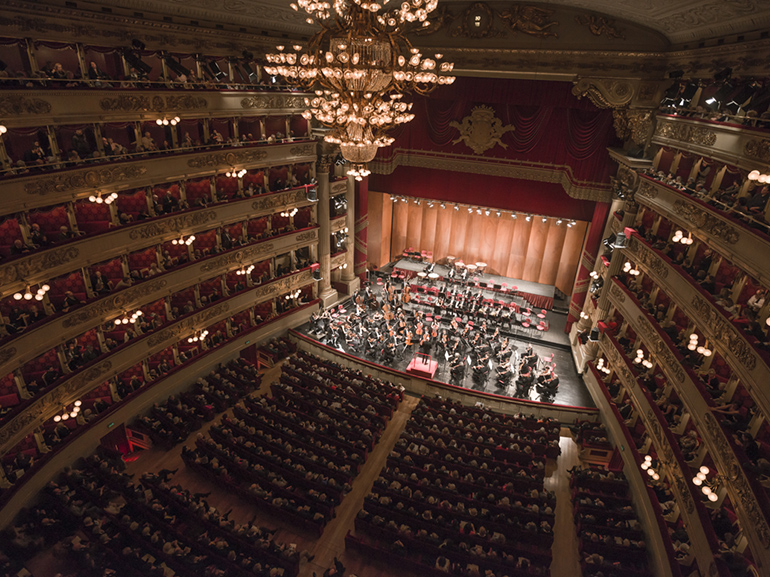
535	251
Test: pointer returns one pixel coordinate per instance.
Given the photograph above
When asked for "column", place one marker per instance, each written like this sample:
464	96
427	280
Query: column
361	228
326	293
348	273
616	262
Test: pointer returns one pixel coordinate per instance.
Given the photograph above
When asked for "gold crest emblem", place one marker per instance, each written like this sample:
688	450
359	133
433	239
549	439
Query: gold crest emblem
481	130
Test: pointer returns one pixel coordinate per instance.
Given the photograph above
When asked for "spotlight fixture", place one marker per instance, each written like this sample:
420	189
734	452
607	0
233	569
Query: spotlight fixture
545	219
470	210
127	319
528	218
182	240
558	222
442	205
513	215
498	214
457	207
486	213
98	199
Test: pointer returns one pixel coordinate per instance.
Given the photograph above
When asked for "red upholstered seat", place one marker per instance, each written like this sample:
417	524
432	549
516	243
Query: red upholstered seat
10	231
92	217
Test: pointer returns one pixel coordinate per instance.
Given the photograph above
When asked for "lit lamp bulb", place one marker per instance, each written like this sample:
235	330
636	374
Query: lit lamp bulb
754	175
704	470
645	466
697	481
159	122
57	419
713	497
656	477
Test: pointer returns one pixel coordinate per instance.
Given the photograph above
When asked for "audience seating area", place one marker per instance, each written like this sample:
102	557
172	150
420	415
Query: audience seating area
462	493
298	452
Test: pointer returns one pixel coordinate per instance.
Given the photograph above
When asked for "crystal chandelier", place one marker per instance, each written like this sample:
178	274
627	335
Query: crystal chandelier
359	66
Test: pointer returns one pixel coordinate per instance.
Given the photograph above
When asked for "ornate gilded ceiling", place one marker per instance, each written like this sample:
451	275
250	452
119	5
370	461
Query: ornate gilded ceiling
680	22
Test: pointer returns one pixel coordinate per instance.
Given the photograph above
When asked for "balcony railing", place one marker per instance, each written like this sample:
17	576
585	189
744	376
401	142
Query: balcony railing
36	190
739	146
730	237
751	503
703	539
35	412
61	327
744	358
46	106
42	265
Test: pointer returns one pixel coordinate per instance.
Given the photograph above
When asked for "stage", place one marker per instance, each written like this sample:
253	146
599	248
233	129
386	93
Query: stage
536	294
551	346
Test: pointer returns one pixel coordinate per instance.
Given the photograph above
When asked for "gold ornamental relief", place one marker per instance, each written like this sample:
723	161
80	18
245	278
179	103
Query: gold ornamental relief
481	130
600	26
15	105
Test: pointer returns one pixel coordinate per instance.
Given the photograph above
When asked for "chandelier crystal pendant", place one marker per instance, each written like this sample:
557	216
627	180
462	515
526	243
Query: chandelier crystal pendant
360	65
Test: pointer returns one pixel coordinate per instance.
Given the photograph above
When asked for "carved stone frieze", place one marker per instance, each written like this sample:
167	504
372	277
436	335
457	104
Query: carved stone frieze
659	349
647	189
707	222
279	200
687	133
52	402
238	257
758	149
177	330
723	332
32	266
15	105
531	20
337	261
481	130
142	103
600	26
617	293
308	235
114	303
281	286
175	224
339	187
269	101
632	124
231	158
737	481
620	366
604	92
647	257
6	354
91	178
302	150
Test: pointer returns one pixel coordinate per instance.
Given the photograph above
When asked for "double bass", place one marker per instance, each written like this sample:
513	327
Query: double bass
387	312
405	295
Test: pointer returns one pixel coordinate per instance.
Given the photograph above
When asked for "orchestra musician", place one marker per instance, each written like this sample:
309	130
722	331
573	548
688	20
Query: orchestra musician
457	367
406	294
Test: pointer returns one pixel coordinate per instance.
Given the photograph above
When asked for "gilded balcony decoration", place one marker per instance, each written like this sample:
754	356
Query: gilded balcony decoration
88	178
750	514
34	341
44	407
19	104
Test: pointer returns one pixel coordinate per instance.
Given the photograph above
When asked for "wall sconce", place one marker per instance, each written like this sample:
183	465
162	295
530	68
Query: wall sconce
646	363
680	238
700	349
232	173
754	175
707	487
289	214
600	366
359	173
126	319
584	316
166	121
630	269
27	295
67	414
243	270
198	336
98	199
3	129
181	240
293	295
648	465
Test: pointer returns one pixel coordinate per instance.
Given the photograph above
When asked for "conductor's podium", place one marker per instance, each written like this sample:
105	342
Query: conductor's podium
423	366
